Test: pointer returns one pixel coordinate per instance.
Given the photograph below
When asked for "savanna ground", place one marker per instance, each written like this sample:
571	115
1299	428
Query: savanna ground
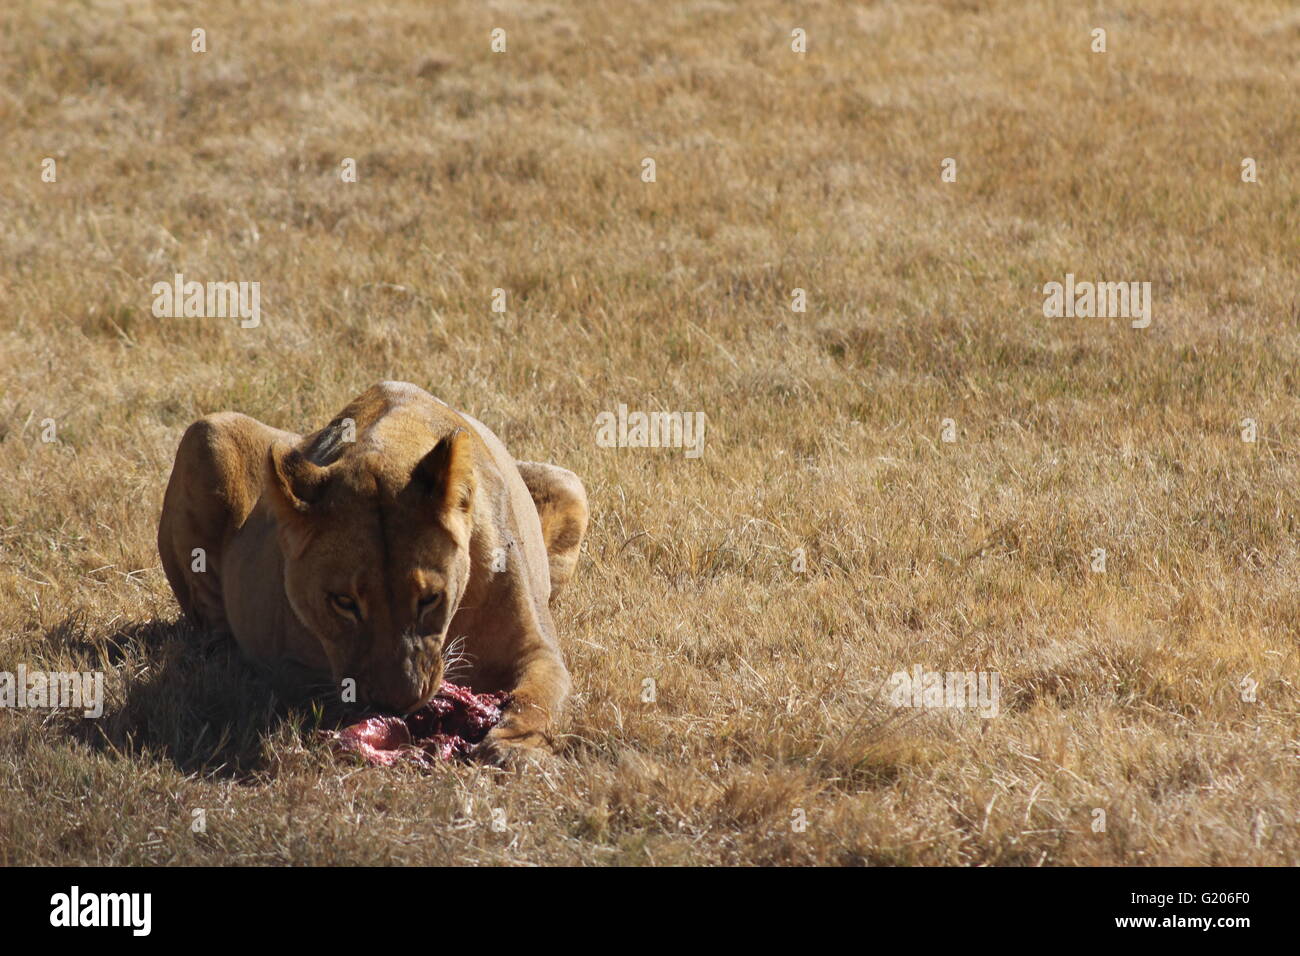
1122	691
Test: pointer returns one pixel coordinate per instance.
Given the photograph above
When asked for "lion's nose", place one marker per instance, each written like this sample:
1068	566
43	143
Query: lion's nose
396	692
404	694
428	690
402	701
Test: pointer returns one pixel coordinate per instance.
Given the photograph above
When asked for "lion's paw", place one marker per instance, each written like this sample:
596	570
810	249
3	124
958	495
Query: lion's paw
510	750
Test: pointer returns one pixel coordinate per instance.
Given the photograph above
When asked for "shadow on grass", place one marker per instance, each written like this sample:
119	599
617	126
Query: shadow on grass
174	692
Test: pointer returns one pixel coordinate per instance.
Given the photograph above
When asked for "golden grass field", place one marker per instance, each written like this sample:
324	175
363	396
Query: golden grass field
1122	691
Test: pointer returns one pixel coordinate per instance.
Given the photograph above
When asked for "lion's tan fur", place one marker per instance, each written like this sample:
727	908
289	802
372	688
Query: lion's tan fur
260	526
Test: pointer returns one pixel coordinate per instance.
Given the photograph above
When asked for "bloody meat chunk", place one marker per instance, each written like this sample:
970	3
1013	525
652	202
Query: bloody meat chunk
448	726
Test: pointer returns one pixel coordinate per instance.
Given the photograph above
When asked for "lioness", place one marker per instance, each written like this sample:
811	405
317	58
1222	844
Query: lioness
360	549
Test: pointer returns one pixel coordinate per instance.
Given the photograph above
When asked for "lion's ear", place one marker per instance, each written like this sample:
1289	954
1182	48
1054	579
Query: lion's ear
295	484
446	474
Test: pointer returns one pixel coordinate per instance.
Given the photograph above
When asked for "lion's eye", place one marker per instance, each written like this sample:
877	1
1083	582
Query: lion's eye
344	604
430	601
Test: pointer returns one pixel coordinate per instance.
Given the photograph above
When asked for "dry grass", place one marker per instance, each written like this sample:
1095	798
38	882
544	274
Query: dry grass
521	171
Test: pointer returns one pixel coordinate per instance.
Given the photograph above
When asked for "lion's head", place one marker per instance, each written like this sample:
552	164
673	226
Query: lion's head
376	558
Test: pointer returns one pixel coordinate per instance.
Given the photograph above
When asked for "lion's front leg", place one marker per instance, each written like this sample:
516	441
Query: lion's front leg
527	729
